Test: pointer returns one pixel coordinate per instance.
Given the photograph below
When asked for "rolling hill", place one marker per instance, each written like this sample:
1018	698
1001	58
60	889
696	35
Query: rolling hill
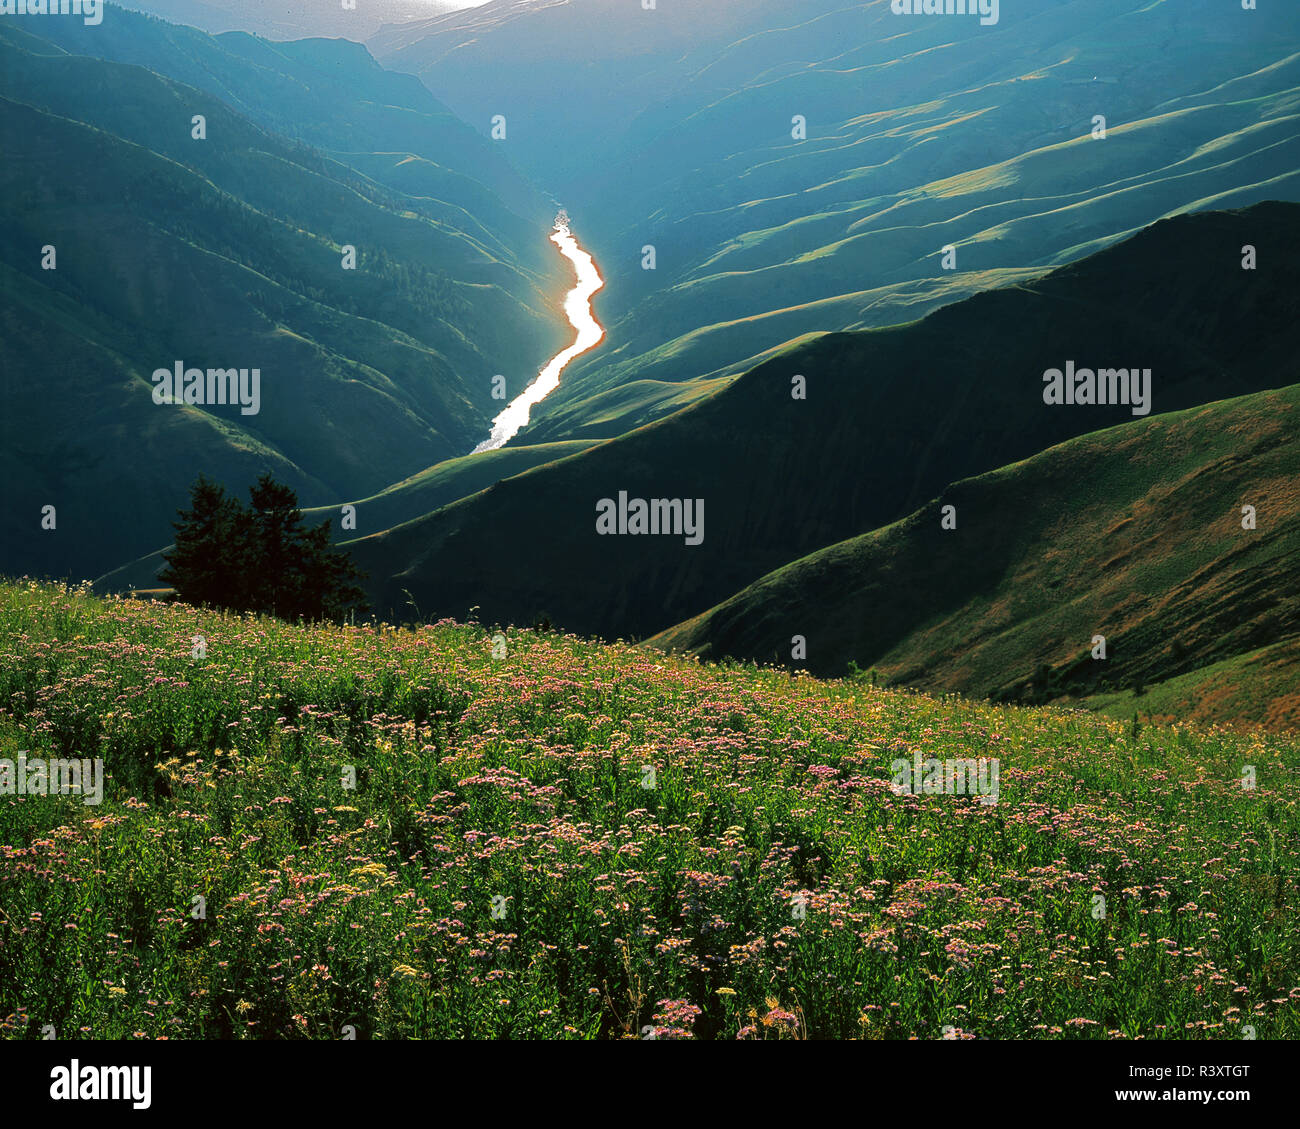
1134	533
890	418
921	134
531	821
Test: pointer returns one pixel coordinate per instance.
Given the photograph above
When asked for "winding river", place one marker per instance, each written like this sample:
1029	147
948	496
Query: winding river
577	307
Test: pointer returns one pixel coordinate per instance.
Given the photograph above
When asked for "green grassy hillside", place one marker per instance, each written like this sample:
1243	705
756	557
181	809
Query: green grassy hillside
891	417
1258	688
922	133
225	252
1134	533
579	841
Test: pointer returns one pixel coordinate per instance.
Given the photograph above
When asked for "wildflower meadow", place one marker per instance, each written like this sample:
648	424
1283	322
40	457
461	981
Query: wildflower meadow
458	830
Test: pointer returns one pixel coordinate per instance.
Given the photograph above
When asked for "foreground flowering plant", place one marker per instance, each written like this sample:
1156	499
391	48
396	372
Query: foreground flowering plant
399	833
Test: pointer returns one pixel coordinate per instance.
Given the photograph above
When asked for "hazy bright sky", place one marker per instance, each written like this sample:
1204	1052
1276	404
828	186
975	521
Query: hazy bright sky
295	19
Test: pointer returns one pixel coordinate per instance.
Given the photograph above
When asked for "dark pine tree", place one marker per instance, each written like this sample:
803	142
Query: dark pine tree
298	574
264	559
206	566
275	528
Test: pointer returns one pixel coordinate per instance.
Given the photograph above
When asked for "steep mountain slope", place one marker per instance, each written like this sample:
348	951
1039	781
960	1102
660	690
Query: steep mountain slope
332	95
891	417
1134	533
223	252
921	133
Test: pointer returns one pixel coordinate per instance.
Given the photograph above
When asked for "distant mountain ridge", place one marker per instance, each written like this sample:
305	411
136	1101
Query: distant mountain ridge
293	19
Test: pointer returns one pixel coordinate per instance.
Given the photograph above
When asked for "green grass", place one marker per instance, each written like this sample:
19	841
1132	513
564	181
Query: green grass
1261	684
518	783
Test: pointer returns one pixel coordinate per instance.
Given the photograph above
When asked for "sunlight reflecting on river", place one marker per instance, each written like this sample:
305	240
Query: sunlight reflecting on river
577	306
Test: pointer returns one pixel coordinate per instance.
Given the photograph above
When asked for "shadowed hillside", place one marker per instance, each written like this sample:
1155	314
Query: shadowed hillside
1134	533
422	493
227	251
891	417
